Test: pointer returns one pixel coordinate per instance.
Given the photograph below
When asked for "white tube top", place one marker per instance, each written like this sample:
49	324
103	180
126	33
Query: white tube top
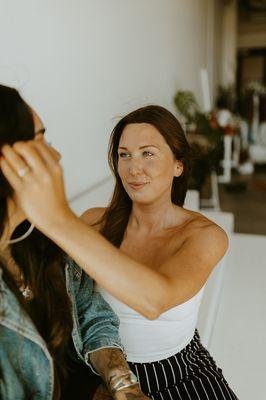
153	340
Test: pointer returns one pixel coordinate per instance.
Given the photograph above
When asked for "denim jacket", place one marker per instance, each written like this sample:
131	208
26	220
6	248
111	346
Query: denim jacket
26	367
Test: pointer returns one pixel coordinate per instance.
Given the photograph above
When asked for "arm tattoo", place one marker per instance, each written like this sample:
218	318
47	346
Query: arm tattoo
102	393
116	362
108	362
133	396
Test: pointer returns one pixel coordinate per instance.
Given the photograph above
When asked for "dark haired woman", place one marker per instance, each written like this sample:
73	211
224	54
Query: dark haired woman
51	320
155	281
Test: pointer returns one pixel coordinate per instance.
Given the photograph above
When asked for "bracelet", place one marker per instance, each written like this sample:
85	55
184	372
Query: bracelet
123	381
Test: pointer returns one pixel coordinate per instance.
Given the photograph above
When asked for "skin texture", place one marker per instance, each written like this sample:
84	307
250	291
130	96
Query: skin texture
184	247
103	394
108	362
144	156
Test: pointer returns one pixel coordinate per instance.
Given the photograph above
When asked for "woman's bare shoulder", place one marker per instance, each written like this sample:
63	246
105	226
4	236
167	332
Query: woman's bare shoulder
201	228
93	215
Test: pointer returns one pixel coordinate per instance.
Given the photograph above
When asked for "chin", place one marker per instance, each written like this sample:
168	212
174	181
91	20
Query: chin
141	198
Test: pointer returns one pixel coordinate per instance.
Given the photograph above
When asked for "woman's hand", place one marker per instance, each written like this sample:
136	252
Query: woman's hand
133	393
102	393
126	394
33	171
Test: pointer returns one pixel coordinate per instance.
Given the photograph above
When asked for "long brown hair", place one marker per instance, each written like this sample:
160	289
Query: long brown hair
115	219
40	260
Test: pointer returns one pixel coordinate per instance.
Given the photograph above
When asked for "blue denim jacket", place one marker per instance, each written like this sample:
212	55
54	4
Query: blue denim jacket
26	367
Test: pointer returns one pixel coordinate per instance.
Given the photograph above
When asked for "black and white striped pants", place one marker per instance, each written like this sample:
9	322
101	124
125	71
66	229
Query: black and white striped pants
190	374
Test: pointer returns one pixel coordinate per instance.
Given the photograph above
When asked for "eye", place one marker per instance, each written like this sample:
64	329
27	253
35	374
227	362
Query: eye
147	154
124	155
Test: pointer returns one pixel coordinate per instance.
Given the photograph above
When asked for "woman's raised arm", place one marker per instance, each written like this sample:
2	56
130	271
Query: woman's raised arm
37	178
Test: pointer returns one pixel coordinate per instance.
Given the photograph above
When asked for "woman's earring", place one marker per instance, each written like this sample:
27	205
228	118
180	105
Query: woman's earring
20	238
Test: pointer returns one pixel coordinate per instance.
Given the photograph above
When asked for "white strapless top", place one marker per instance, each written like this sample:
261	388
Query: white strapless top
153	340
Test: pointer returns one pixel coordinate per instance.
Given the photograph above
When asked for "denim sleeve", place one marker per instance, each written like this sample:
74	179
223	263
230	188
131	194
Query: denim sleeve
97	323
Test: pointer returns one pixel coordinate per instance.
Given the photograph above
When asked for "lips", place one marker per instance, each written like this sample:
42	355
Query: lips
137	185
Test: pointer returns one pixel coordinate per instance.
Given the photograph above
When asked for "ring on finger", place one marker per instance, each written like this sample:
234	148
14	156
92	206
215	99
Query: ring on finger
23	171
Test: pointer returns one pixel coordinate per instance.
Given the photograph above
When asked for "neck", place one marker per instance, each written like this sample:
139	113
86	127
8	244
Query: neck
14	217
151	218
10	264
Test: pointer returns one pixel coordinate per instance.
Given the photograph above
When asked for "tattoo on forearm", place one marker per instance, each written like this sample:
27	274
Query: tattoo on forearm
102	394
116	362
105	360
133	396
116	359
109	363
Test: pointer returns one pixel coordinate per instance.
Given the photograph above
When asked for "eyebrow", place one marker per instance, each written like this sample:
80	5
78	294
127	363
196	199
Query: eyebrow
141	147
42	130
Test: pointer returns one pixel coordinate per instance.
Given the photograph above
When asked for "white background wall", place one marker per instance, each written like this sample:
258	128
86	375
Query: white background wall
228	43
83	63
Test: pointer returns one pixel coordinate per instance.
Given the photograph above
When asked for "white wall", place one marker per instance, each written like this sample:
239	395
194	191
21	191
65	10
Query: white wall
82	63
217	43
229	43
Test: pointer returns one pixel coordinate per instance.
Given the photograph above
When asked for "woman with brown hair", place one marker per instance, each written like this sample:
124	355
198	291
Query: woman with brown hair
153	257
54	328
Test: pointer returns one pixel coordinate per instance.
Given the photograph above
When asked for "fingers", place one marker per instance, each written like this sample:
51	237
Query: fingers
30	154
55	153
36	154
39	138
21	156
29	161
14	160
10	175
50	156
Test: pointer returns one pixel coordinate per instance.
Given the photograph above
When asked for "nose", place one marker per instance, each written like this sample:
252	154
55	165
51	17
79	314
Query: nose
135	167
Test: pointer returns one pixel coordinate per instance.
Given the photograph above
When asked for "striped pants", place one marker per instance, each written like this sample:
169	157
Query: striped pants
191	374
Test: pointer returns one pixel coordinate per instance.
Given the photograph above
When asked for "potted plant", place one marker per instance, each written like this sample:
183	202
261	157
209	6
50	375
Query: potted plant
205	137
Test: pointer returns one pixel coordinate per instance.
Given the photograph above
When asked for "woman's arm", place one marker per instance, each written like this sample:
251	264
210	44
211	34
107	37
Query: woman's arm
98	328
113	368
41	195
130	394
147	291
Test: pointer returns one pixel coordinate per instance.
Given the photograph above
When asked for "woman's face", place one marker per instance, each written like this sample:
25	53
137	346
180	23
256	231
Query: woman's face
146	164
39	130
